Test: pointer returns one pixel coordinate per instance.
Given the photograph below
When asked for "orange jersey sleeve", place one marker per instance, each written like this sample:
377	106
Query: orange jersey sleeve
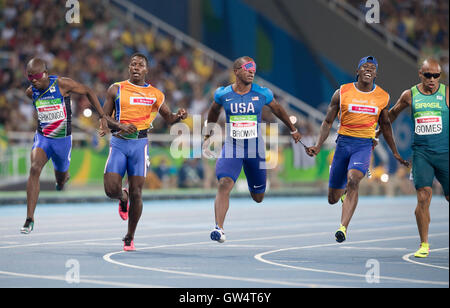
360	111
138	105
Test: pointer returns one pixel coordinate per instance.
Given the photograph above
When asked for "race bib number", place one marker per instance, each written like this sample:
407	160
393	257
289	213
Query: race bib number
428	123
51	114
244	127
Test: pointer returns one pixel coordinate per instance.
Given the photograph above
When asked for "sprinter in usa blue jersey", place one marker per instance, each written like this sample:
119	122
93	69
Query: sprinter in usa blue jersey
244	147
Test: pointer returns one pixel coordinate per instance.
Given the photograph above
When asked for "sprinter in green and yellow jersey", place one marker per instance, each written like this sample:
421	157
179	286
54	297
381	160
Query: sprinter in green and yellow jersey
429	110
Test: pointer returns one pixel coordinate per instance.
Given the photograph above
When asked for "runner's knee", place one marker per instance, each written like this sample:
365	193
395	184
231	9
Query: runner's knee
135	194
332	199
35	169
423	197
113	191
353	183
225	185
258	198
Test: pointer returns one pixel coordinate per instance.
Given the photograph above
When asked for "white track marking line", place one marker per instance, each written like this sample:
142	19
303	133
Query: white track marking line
260	258
407	258
199	232
186	273
84	242
90	281
372	248
157	226
107	258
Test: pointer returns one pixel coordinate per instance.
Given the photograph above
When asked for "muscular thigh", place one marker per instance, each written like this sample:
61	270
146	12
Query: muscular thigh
137	159
422	170
255	171
339	168
228	167
441	166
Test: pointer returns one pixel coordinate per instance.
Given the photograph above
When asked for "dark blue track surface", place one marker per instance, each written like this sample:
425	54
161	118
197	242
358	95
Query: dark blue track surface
283	242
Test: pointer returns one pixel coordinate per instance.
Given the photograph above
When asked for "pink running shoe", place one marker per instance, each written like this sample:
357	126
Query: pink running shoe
128	244
123	208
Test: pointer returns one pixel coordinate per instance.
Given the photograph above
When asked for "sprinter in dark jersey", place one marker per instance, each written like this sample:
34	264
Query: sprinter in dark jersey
429	111
53	139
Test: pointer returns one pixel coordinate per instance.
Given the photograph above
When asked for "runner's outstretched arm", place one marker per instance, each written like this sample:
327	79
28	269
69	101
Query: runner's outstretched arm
281	114
69	86
386	129
172	118
403	102
325	128
213	115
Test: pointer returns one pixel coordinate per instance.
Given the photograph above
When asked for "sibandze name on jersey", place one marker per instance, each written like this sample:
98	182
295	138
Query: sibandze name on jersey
145	101
372	110
50	114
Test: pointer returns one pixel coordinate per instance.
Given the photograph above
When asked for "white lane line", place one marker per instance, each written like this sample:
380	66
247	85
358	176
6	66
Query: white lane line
198	232
86	228
373	248
89	281
84	242
108	256
260	258
249	246
407	258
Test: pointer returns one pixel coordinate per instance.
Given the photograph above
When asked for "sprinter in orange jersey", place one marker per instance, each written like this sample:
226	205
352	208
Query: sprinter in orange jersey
361	106
135	105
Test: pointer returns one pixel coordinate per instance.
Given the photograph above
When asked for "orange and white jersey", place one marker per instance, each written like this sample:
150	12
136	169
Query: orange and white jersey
359	111
137	105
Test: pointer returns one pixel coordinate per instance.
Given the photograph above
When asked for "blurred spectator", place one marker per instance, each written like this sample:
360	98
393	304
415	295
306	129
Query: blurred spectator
95	52
423	24
400	183
166	174
191	174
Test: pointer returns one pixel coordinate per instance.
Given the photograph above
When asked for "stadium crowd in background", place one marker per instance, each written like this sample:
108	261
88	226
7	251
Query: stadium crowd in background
96	52
423	24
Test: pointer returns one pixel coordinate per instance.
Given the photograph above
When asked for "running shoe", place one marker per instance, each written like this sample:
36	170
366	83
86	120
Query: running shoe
423	251
128	244
218	235
124	206
341	234
27	227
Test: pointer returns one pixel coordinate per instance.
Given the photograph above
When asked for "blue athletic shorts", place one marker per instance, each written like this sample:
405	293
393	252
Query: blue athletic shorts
128	155
254	168
351	153
57	149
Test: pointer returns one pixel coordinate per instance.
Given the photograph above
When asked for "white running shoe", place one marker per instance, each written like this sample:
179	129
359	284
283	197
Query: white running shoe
218	235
